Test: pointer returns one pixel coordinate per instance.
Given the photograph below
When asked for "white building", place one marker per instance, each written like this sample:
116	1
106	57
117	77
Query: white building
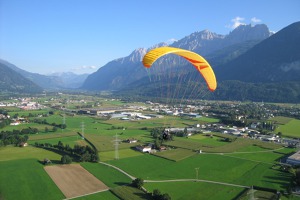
143	149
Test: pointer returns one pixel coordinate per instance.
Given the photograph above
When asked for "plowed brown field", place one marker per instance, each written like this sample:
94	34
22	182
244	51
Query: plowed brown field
73	180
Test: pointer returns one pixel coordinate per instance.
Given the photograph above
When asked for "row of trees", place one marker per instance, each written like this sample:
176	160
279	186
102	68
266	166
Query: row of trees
13	139
16	137
44	121
80	153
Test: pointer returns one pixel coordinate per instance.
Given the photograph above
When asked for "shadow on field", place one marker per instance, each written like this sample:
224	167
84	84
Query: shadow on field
121	183
143	195
282	179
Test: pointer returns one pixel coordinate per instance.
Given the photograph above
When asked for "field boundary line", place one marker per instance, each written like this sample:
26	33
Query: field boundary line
195	180
241	152
86	194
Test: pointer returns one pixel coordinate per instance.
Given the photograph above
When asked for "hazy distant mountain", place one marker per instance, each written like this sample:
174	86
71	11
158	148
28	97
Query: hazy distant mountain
124	71
70	79
47	82
117	73
13	82
53	81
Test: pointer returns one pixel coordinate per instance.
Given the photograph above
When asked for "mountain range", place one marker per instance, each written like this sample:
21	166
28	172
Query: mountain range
250	63
65	80
121	72
12	82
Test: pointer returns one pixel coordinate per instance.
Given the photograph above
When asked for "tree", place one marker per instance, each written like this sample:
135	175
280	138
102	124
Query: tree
157	143
54	129
63	126
165	197
60	145
138	183
156	194
95	157
85	157
185	131
65	159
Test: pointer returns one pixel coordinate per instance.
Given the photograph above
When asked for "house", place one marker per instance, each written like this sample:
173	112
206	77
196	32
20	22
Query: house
15	123
143	148
162	148
23	144
47	161
132	140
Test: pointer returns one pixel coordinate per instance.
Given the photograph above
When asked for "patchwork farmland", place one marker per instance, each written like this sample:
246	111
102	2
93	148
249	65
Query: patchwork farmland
203	166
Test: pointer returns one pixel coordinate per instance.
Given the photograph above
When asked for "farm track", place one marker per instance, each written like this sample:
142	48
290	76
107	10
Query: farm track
132	177
196	180
241	152
175	180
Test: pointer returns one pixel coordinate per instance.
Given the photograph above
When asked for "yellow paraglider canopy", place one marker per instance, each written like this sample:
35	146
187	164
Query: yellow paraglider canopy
196	60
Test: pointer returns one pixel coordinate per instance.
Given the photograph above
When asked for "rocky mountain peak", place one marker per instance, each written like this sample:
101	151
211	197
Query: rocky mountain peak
136	56
249	32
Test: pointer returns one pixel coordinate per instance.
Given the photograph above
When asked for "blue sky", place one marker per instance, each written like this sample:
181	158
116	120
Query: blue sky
46	36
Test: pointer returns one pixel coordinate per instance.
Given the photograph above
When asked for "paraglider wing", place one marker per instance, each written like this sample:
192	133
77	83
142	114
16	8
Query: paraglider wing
196	60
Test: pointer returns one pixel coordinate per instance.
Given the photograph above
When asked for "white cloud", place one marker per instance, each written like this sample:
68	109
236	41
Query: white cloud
89	67
255	20
170	41
84	69
236	22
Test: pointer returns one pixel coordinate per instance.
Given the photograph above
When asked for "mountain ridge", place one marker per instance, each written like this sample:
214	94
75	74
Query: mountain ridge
52	81
115	74
276	58
13	82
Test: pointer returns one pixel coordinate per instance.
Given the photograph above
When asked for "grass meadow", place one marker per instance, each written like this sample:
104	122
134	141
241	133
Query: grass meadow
239	169
26	179
291	128
15	153
195	190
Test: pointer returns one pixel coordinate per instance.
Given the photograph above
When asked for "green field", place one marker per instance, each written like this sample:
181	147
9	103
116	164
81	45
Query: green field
15	153
26	179
176	154
195	190
108	175
70	140
291	128
123	153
